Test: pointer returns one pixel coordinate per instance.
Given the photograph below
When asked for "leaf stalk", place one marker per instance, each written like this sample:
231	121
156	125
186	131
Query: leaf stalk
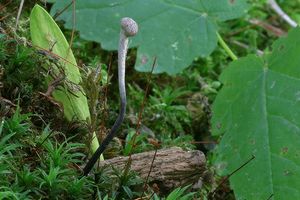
226	47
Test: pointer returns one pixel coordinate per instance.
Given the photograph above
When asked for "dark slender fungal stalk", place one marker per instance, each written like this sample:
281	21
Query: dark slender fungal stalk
129	28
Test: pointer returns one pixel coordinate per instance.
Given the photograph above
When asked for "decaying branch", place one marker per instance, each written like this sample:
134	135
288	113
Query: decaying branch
245	46
275	30
171	168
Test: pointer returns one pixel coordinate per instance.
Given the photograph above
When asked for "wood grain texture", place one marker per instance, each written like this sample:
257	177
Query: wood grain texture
171	168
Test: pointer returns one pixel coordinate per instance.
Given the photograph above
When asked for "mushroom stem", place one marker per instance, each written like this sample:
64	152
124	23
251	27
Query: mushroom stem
128	28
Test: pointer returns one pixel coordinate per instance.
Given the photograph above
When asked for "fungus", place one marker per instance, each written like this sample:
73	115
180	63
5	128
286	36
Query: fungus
129	28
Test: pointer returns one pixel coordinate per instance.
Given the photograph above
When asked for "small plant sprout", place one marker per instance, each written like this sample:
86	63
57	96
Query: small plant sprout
129	28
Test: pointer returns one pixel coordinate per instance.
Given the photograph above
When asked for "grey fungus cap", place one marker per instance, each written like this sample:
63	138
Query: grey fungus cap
129	26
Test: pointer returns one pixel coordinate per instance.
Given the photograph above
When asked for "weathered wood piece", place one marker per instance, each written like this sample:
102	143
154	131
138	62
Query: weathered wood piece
171	168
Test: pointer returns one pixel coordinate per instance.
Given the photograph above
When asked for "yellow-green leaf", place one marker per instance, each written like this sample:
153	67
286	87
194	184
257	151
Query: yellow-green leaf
45	33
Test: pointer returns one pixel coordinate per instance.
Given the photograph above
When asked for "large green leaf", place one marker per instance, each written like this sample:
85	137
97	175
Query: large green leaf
46	34
258	110
175	31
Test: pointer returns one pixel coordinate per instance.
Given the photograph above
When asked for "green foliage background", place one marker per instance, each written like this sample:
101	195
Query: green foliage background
175	41
258	111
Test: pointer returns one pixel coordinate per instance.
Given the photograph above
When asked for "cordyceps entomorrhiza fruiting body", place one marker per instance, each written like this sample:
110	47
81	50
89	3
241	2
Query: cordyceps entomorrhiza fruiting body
129	28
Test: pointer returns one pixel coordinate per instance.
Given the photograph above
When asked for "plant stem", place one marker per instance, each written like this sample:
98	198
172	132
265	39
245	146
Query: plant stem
95	145
226	47
281	13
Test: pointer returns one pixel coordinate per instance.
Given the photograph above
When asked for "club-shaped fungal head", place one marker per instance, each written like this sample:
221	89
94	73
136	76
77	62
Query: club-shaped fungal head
129	26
